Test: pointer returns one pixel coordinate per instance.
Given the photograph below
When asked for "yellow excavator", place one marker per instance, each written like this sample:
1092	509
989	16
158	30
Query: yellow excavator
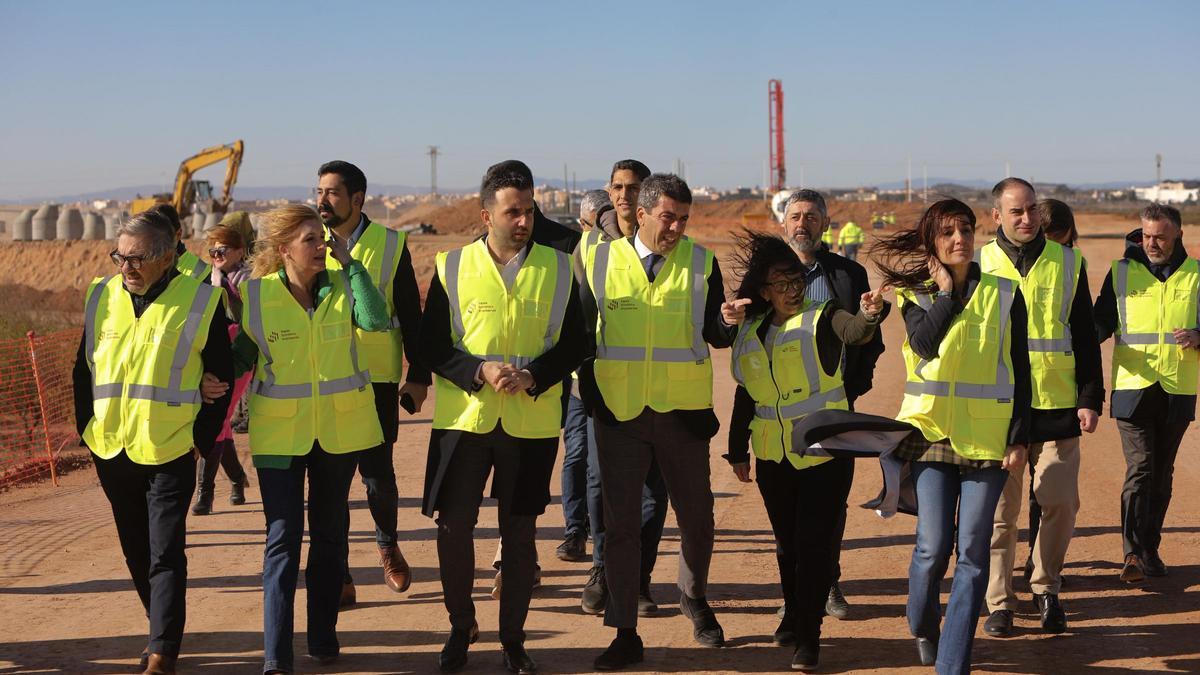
189	192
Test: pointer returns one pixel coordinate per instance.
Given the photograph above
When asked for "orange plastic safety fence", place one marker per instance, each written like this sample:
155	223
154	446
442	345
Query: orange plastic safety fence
37	406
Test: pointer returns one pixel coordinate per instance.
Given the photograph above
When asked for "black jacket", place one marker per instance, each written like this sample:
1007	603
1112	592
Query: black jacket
926	330
553	233
216	357
848	281
1152	400
716	334
1053	425
436	348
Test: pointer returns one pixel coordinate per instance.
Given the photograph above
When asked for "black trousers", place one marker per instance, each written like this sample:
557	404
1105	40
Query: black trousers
804	507
377	471
1150	442
223	455
474	458
150	506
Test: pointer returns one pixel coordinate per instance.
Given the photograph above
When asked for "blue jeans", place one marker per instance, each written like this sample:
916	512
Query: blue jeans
329	478
575	469
941	490
654	510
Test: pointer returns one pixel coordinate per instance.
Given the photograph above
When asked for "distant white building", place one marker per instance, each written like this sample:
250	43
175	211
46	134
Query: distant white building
1168	193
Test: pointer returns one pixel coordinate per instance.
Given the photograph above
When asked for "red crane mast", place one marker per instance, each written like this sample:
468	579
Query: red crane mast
775	119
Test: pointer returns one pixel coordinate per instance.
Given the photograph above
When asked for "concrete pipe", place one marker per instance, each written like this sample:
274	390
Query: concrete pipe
20	228
111	222
43	226
69	225
93	226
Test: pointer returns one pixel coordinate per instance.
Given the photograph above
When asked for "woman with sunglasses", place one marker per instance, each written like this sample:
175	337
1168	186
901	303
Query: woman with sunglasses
787	360
967	395
226	252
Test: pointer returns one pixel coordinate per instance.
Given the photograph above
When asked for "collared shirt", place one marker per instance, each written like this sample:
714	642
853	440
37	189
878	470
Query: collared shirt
508	270
817	287
358	232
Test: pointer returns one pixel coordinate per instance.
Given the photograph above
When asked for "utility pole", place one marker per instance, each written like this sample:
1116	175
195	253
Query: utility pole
566	188
1158	169
925	183
433	155
908	183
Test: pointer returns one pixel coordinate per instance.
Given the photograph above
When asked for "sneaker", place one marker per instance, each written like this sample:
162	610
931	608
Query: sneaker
1153	566
836	605
595	592
573	548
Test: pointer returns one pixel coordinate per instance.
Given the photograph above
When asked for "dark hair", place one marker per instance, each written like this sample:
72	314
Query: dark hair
1010	182
658	185
495	181
1057	219
352	176
754	256
903	258
168	211
810	196
640	170
510	166
1157	212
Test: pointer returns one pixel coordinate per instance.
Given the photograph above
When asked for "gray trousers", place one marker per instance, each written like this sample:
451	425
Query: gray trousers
625	452
475	456
1150	443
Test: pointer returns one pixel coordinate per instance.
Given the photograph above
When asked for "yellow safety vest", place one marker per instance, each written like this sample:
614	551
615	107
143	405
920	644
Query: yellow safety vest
492	323
650	348
966	393
827	236
786	385
190	264
308	385
1049	291
379	250
145	370
851	234
1148	311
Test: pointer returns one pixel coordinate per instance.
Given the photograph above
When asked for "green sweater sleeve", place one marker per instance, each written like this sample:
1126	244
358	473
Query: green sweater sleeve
370	307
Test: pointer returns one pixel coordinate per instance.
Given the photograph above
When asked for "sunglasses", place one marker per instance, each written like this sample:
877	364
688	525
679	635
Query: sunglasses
135	261
220	251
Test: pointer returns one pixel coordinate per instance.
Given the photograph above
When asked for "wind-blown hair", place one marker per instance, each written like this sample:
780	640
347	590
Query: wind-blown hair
755	254
903	258
277	227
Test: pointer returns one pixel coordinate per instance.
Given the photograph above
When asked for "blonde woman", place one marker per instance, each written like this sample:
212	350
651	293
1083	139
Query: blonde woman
313	409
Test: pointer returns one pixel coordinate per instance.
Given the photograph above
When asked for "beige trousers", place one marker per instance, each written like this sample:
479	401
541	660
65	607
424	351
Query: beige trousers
1055	467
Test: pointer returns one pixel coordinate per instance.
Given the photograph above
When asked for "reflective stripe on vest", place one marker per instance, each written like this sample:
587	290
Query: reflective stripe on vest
1121	287
698	352
198	269
1148	313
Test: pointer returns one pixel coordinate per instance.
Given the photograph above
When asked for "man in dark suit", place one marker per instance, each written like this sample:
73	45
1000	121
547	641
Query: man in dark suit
832	277
498	339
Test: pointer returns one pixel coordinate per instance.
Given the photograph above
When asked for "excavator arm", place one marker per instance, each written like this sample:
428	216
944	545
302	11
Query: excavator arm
208	157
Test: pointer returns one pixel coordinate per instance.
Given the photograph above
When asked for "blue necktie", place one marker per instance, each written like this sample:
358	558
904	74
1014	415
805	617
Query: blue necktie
652	263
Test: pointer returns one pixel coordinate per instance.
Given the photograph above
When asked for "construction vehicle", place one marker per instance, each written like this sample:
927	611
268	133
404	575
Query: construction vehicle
197	195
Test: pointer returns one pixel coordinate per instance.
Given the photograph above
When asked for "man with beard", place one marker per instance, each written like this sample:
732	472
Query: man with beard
341	190
502	330
832	277
1149	305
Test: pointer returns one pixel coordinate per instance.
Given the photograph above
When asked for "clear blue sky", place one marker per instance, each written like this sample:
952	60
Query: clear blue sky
104	94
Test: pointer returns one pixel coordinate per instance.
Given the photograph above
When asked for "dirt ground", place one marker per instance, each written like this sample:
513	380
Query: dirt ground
67	605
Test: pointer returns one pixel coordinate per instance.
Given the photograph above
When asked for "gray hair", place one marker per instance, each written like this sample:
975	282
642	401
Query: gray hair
810	196
1155	212
660	185
153	227
593	201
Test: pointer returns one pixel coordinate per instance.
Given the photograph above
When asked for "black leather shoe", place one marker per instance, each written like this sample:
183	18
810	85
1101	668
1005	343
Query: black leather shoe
621	652
573	548
836	605
517	660
237	494
454	653
1153	566
1054	619
595	592
705	628
324	659
646	604
927	651
807	657
785	635
999	624
204	503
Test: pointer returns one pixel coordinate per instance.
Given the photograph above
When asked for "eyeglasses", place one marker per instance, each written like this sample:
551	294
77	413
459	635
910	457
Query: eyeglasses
135	261
218	252
785	285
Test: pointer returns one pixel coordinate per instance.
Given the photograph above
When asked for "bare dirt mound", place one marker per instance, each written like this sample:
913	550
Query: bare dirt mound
459	217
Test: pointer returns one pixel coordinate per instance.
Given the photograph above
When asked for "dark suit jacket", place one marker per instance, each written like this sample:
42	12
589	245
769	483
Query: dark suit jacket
848	280
438	353
554	234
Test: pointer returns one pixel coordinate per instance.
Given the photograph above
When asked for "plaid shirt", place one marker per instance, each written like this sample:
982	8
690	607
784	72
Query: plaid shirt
915	448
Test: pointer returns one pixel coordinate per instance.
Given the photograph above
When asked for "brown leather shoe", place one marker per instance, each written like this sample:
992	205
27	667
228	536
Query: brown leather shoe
159	664
396	573
1132	572
145	658
349	596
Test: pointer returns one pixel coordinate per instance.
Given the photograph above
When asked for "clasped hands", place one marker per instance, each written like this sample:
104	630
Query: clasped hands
505	378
